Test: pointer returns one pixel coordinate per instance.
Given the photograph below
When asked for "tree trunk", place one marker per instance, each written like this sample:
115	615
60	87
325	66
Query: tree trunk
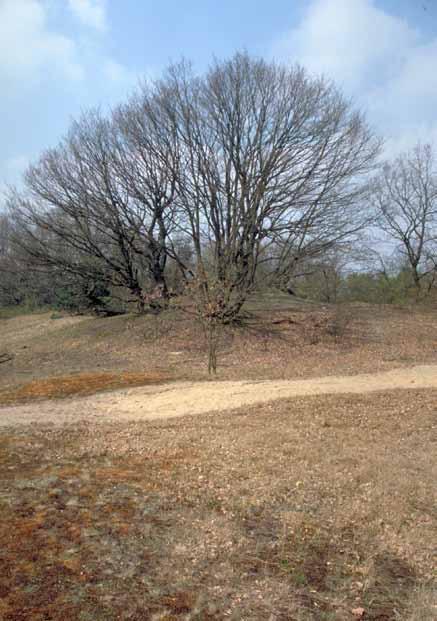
212	348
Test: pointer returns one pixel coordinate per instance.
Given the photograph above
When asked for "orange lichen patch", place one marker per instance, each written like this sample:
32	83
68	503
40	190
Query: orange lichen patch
81	384
72	564
180	603
132	468
117	474
67	471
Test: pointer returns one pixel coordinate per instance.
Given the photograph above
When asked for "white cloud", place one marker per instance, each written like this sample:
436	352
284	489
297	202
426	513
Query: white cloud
380	59
115	72
90	12
48	77
28	47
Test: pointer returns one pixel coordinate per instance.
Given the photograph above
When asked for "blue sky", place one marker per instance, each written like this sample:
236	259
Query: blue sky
58	57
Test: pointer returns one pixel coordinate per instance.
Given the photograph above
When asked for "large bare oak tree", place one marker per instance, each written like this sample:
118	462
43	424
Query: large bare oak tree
249	163
270	164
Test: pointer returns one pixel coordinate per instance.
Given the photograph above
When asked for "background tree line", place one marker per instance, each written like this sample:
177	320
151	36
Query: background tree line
210	186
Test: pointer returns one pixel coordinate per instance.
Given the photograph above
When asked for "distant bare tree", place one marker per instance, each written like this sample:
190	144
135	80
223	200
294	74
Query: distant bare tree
5	229
6	285
12	276
405	196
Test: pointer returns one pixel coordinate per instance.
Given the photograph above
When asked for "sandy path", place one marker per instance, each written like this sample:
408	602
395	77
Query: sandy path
170	400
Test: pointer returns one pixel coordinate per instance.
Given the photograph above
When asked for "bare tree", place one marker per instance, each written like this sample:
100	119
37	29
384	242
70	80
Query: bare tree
12	276
141	163
405	197
250	164
78	212
263	156
5	228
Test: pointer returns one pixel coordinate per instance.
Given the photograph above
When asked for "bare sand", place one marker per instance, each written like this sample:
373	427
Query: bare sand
182	398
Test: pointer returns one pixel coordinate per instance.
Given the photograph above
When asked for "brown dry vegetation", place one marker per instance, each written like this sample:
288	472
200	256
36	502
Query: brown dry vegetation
279	341
301	510
81	384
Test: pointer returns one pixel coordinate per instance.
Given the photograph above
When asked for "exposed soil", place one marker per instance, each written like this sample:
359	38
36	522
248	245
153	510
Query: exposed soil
285	503
318	508
178	399
298	341
76	385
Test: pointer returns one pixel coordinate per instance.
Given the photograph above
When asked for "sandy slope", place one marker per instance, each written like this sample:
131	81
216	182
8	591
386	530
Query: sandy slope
177	399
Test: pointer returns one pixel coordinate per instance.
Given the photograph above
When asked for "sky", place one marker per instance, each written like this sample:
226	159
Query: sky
60	57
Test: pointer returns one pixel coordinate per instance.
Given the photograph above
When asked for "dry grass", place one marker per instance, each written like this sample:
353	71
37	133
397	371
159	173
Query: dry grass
300	510
76	385
280	343
303	510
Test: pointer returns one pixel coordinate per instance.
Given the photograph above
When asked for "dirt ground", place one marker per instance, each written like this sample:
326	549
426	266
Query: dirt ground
288	501
315	508
178	399
298	341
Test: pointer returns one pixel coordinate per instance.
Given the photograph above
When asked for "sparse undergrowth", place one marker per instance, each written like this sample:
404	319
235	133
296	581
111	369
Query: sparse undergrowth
280	340
302	510
76	385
